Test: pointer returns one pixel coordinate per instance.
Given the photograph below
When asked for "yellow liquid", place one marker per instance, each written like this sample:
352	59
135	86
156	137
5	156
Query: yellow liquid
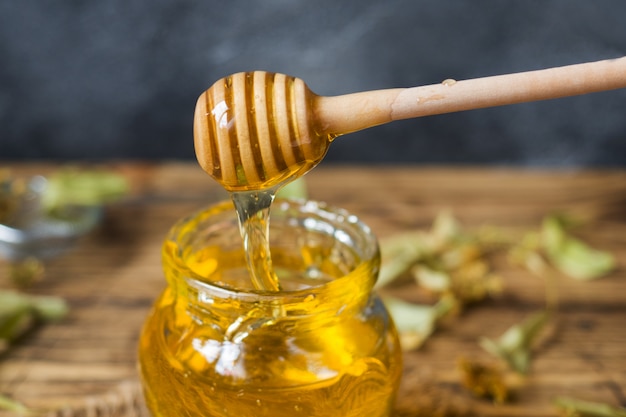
249	363
253	212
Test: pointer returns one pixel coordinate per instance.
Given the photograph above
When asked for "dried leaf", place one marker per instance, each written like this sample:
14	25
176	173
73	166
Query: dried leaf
399	253
20	312
14	324
577	408
444	246
296	189
483	380
49	308
446	261
526	253
459	254
431	279
515	344
572	256
73	187
445	228
11	405
533	261
416	322
471	282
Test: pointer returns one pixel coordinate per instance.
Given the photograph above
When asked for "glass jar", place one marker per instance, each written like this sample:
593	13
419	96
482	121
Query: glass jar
322	346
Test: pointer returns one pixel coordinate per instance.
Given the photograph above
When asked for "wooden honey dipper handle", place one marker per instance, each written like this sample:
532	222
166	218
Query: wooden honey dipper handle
352	112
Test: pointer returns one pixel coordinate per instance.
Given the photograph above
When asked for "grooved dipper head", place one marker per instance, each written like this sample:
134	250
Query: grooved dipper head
254	130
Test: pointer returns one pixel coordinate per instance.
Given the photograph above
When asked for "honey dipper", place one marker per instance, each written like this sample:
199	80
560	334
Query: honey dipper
254	130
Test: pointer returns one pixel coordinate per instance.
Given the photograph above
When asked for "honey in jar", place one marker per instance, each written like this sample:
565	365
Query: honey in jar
215	345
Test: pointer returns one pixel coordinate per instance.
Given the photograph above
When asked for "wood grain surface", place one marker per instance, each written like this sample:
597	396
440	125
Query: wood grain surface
113	275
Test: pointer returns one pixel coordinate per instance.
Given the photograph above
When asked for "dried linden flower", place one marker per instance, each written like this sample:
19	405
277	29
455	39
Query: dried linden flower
483	380
446	261
471	282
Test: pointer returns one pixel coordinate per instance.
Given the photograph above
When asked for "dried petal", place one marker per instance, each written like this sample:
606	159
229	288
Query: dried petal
515	344
416	322
526	253
294	190
49	308
9	404
398	254
578	408
431	279
460	254
572	256
535	263
445	228
16	317
72	187
19	313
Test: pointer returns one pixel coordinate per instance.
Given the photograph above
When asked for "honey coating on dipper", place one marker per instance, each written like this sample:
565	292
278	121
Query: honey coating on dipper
256	130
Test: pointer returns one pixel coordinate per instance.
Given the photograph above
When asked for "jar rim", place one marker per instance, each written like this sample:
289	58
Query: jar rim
369	253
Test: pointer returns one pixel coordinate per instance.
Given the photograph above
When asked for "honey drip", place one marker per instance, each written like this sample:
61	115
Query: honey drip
253	212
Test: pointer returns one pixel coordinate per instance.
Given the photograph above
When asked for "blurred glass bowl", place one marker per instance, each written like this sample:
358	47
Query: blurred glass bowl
27	230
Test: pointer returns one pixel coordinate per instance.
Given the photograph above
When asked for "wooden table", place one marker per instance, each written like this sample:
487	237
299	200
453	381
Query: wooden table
111	278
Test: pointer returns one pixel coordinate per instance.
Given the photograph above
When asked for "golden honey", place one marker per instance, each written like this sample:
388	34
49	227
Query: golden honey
323	345
253	212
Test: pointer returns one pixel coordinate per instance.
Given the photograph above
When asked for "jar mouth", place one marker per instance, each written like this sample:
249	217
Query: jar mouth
312	237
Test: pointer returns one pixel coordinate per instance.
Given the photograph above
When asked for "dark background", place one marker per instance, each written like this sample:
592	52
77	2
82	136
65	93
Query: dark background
118	79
